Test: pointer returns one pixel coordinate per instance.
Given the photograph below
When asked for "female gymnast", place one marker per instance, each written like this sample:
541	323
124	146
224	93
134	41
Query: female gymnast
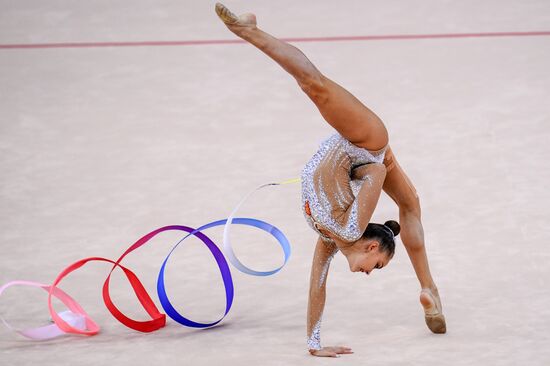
341	185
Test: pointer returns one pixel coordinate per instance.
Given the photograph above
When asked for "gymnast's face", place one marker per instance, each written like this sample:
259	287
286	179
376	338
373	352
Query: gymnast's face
366	256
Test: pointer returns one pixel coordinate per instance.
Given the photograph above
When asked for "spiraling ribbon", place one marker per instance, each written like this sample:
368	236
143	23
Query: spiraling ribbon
77	321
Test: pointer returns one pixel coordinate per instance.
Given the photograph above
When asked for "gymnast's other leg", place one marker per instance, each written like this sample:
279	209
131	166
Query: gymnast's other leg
399	187
353	120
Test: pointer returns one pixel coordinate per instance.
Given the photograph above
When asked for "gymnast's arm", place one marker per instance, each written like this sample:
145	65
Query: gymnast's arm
350	220
324	252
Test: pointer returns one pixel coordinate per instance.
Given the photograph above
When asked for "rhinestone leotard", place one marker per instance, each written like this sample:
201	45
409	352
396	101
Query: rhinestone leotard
330	187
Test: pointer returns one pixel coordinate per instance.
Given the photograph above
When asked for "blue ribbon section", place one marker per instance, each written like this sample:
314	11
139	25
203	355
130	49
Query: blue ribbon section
222	265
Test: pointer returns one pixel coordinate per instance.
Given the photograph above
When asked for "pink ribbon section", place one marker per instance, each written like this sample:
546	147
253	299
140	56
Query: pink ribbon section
75	317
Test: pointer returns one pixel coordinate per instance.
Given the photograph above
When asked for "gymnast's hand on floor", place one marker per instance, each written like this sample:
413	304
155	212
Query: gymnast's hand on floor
330	351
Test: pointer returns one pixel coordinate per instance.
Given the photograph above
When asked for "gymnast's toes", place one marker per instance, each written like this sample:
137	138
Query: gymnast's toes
225	14
233	21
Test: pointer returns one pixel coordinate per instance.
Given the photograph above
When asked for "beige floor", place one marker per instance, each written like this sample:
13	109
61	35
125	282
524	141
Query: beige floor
99	146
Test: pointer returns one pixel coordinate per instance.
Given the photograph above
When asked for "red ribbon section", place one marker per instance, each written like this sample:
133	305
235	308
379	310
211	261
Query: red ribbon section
158	319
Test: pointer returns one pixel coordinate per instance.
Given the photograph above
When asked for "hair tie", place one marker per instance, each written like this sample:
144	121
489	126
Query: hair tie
390	230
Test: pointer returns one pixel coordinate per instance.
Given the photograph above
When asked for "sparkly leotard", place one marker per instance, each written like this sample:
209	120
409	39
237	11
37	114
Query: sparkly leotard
330	184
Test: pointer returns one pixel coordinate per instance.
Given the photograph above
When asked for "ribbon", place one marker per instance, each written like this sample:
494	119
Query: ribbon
77	321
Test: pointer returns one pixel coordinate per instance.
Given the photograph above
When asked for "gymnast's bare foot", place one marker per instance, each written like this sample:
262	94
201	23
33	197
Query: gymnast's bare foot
236	24
433	313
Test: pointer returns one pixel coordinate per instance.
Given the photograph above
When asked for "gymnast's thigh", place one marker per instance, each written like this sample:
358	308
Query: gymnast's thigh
397	184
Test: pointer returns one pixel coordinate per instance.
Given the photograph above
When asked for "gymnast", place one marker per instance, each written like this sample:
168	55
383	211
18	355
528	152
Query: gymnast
341	185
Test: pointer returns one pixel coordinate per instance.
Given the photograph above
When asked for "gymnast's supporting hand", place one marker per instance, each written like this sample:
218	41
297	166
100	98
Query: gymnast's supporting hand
316	303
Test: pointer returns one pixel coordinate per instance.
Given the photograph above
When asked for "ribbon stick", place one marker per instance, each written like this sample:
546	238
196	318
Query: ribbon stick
294	180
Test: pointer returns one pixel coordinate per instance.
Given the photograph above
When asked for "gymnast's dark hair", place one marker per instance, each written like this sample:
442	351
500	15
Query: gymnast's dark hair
383	234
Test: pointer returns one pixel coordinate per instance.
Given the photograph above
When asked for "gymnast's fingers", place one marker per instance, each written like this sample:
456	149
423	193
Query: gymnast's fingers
340	350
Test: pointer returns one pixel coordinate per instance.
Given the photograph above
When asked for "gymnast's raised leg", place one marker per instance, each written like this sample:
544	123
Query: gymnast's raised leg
351	118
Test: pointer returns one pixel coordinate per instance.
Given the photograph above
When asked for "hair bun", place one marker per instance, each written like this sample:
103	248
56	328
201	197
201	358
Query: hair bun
394	226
